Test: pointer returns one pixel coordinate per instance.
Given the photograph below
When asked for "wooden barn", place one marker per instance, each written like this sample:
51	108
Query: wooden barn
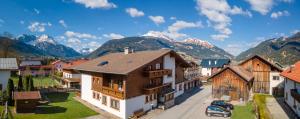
266	74
26	102
232	81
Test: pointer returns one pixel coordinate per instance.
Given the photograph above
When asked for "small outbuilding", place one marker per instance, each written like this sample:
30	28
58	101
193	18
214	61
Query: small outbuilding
232	81
26	102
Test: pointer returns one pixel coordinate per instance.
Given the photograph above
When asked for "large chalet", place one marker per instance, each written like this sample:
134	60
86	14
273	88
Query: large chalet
128	83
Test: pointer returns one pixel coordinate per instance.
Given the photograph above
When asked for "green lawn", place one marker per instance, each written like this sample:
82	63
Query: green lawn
243	112
260	101
38	82
62	106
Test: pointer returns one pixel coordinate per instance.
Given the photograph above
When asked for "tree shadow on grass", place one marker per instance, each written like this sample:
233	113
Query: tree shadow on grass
48	109
58	97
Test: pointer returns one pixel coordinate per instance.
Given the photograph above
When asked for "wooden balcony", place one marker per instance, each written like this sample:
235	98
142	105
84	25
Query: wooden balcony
295	94
112	92
149	89
158	73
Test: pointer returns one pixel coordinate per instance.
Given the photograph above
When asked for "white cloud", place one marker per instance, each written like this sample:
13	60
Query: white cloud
287	1
234	49
133	12
63	23
220	37
71	34
218	13
295	31
113	36
173	30
261	6
104	4
38	27
173	18
36	11
157	19
1	22
278	14
22	22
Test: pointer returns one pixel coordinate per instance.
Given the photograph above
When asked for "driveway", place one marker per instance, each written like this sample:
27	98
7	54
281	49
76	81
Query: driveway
191	105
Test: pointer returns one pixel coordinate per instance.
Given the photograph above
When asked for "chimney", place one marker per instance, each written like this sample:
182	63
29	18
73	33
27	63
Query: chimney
126	50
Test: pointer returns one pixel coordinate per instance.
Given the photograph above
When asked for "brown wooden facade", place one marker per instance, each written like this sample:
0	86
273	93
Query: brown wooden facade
260	68
229	83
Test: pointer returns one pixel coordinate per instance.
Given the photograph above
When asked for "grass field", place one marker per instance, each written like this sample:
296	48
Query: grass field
62	106
243	112
260	101
38	82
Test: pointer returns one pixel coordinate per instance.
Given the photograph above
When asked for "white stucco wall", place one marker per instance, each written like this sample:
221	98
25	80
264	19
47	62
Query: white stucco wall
206	71
169	63
127	107
4	76
177	92
275	83
289	84
136	103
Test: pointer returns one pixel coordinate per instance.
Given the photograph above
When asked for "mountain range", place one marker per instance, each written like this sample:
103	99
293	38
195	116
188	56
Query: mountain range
196	48
284	50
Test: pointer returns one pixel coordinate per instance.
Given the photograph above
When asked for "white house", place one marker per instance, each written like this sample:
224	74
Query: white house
131	83
6	66
210	66
292	87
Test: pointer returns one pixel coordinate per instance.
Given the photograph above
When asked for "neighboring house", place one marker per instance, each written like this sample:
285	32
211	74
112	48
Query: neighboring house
211	66
127	84
192	76
35	70
6	66
30	63
58	65
71	78
292	87
266	74
233	82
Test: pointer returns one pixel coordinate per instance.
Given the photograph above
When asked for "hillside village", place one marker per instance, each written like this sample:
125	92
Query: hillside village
149	59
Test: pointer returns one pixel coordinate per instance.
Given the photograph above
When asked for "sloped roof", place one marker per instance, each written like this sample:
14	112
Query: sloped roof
73	63
27	95
292	73
8	64
278	67
246	75
120	63
209	63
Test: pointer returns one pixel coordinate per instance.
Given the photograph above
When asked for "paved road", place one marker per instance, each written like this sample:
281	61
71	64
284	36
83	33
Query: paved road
191	108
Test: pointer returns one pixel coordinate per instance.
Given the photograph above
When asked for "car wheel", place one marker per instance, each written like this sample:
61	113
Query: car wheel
225	115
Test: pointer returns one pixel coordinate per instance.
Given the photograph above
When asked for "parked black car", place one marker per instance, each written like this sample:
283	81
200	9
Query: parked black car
213	110
223	104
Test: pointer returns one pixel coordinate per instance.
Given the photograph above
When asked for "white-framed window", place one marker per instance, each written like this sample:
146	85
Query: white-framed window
157	66
115	104
275	77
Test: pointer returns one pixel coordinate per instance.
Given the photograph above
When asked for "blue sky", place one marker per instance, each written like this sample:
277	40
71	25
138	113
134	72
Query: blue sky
234	25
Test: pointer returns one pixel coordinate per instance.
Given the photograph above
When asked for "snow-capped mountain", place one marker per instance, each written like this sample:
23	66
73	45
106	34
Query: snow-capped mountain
196	41
158	34
85	51
48	45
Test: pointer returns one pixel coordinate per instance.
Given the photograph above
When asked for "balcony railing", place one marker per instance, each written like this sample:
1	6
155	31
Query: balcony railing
154	88
158	73
295	94
112	92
